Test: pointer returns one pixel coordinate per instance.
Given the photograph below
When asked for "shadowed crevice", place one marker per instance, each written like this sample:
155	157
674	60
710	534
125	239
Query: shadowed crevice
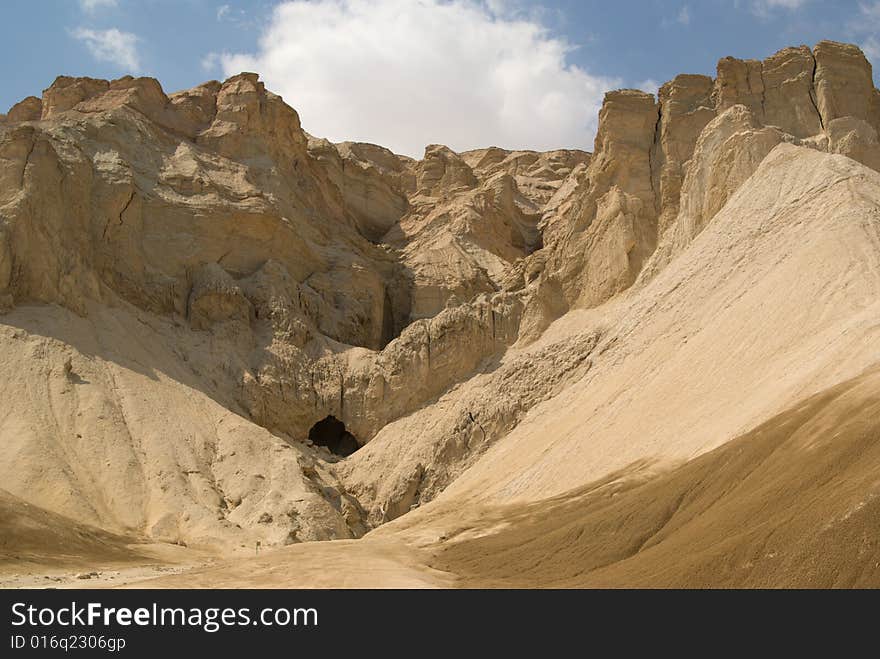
332	433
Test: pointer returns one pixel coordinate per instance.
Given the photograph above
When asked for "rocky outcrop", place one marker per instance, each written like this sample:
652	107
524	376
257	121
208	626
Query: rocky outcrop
216	297
843	81
607	226
685	109
372	180
297	280
727	153
855	138
66	93
210	214
207	192
29	109
442	171
788	96
660	171
778	91
537	175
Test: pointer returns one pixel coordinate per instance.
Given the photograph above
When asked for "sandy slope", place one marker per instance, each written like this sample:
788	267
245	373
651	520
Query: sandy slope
41	549
776	301
106	423
30	532
793	503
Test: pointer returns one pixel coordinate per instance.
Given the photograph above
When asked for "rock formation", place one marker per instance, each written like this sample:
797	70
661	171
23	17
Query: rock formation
211	215
201	302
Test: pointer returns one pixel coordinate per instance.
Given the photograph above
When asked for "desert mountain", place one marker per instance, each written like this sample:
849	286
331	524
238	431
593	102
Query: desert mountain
505	367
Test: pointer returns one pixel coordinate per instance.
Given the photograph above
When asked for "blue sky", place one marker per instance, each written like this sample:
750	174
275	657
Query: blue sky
408	72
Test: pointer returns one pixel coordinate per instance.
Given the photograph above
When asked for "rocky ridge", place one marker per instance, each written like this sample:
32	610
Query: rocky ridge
202	247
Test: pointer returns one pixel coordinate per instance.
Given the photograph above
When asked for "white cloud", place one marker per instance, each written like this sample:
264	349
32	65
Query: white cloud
94	5
684	16
764	8
650	85
211	61
871	48
112	46
228	14
504	7
406	73
865	27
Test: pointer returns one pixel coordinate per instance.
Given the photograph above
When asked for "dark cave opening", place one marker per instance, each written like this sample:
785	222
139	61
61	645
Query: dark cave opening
332	433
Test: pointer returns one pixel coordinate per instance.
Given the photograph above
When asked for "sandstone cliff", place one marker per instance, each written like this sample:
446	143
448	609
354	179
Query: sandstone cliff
261	270
691	149
207	310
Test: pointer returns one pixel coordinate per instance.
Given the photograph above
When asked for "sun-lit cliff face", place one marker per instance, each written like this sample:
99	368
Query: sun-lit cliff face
217	329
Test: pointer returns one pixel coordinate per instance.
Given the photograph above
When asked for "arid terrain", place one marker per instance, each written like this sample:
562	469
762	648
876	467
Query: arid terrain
233	354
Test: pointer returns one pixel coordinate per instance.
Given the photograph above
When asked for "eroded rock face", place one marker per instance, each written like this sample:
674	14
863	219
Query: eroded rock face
284	280
610	214
211	210
373	182
843	82
685	109
66	93
538	175
215	297
789	97
442	171
728	151
29	109
855	138
660	171
739	82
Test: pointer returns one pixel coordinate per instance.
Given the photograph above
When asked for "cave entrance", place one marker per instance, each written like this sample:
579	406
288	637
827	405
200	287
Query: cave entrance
331	432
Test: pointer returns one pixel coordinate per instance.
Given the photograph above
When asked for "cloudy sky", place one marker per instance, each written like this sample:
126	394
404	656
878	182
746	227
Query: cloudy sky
406	73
